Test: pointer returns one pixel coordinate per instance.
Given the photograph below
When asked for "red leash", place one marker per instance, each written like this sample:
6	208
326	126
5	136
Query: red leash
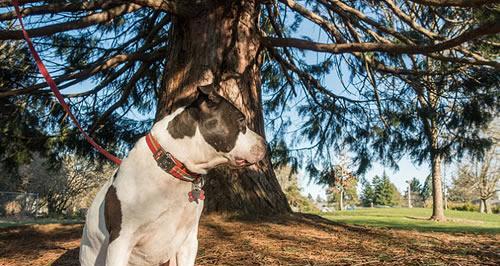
45	73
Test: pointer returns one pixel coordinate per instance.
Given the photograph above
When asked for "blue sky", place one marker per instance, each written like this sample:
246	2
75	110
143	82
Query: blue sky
407	169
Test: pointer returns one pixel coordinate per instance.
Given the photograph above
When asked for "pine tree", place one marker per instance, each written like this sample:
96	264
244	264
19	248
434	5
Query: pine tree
367	194
385	192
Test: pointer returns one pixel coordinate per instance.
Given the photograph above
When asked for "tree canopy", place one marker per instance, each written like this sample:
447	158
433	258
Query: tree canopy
383	54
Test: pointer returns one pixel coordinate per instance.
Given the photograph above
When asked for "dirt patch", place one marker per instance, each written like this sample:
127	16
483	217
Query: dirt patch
291	240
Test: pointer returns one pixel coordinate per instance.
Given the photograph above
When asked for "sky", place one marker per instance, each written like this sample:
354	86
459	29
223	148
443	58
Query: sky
407	169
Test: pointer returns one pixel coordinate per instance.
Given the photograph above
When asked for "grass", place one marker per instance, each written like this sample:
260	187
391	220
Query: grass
417	219
5	223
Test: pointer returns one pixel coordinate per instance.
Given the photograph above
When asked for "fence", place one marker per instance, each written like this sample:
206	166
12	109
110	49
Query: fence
19	205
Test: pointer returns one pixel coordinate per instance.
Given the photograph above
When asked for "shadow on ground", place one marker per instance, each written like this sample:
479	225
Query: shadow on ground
298	239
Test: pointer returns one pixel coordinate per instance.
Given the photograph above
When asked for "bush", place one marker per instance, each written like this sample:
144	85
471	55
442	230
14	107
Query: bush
463	207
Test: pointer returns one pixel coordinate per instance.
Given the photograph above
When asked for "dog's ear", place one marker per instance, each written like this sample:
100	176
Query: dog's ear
210	93
207	89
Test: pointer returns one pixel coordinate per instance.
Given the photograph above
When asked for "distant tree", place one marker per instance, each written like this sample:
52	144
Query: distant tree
367	194
16	120
343	195
297	201
385	192
460	189
310	197
415	188
61	187
341	182
426	191
415	185
319	199
478	179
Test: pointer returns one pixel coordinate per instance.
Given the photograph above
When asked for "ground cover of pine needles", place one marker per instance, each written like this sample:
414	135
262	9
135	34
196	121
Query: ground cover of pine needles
299	239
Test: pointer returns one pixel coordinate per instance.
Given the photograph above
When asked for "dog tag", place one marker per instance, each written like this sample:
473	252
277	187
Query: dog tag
196	194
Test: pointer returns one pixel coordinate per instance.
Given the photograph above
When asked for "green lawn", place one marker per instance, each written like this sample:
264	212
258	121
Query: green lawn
417	219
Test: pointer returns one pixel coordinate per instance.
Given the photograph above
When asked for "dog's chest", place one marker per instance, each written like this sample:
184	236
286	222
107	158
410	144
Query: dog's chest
159	240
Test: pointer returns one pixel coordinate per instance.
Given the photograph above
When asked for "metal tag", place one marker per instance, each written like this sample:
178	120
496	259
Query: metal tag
197	193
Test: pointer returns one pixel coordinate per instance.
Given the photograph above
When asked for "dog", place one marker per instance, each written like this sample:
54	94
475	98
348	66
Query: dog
148	213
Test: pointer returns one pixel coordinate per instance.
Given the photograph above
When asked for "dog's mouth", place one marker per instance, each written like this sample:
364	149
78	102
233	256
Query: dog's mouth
241	162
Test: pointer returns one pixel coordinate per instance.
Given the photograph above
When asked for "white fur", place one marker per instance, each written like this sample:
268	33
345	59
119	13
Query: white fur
158	221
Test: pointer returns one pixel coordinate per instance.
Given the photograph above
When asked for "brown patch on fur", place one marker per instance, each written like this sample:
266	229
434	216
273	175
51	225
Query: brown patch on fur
112	213
182	125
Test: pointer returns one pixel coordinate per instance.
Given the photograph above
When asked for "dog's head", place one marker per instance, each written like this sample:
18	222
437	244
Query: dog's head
216	132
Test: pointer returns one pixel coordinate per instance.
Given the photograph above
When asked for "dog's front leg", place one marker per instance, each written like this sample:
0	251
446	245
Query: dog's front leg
186	255
119	251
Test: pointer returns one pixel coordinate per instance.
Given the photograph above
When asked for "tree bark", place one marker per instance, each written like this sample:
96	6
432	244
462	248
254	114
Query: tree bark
437	189
341	199
225	40
483	206
429	122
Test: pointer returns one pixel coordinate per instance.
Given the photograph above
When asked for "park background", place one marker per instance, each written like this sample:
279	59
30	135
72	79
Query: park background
46	191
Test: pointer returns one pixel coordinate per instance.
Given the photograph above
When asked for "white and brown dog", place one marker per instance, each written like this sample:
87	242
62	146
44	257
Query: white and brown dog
148	213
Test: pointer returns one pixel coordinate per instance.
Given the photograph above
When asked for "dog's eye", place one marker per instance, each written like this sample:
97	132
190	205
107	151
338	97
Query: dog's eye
212	123
242	123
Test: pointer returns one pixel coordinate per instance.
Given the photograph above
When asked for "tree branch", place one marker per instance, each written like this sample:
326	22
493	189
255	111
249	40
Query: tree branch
87	21
458	3
92	70
483	30
131	85
5	3
323	23
310	79
55	8
178	7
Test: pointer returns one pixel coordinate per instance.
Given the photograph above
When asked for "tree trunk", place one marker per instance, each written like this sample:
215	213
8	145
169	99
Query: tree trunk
341	199
437	189
225	40
409	195
483	206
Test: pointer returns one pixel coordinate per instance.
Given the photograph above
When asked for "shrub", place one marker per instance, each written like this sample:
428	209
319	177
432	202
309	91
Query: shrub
463	207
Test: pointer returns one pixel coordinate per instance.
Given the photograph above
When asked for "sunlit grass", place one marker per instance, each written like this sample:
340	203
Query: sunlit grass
4	223
418	219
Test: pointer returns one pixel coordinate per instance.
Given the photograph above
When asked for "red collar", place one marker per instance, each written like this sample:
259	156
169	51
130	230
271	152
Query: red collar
169	163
